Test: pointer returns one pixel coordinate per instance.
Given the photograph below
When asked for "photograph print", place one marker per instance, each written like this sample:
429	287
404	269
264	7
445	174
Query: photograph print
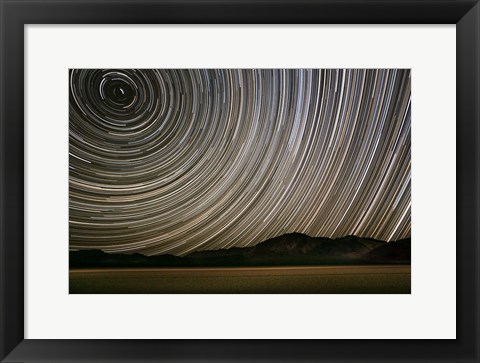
239	181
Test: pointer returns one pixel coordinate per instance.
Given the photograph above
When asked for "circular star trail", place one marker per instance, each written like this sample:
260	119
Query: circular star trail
173	161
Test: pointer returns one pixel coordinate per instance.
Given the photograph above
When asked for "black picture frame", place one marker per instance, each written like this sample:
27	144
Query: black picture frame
15	14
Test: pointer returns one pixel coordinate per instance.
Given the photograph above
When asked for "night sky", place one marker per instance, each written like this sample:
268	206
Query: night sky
173	161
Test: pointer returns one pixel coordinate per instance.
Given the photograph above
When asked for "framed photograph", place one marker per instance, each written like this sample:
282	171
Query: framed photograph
240	181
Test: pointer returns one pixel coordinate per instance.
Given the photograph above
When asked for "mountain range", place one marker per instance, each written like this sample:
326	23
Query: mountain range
291	249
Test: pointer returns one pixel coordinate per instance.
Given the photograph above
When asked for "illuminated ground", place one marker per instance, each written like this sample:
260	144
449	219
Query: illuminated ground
392	279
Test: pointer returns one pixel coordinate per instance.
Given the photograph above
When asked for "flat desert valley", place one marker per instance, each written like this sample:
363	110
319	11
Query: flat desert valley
363	279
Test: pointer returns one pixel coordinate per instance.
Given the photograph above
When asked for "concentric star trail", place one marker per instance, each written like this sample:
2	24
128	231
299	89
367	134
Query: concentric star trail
173	161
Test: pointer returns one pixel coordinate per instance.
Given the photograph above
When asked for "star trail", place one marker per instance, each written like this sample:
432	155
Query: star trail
179	160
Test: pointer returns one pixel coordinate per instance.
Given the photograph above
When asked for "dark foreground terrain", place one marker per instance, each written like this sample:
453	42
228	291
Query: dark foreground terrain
294	249
366	279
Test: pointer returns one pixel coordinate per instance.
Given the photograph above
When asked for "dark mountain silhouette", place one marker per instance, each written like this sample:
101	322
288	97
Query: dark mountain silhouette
288	249
97	258
394	251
